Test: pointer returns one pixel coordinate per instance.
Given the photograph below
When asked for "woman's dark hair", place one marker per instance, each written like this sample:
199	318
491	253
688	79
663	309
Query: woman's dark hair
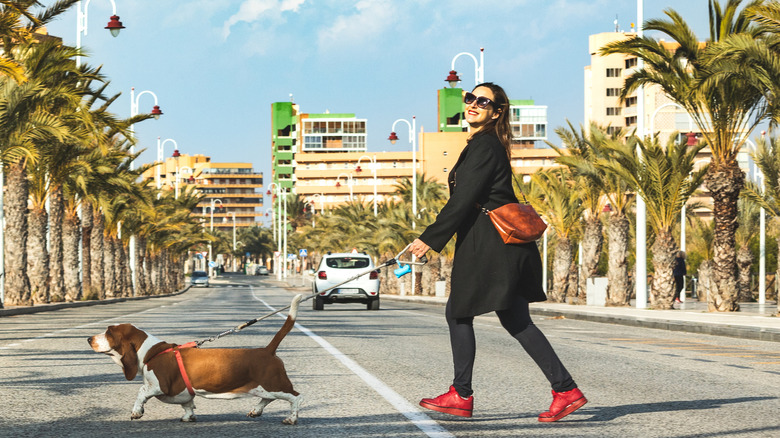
501	124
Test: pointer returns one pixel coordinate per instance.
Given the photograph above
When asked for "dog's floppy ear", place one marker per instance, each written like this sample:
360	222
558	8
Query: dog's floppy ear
123	345
130	363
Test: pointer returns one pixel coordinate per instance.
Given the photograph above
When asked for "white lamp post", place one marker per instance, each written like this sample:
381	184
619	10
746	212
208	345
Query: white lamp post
641	209
321	197
281	224
373	172
479	68
211	228
413	140
160	147
349	183
134	112
178	178
758	175
114	25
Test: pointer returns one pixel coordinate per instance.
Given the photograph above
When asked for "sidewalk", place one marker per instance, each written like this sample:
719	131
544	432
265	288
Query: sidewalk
753	321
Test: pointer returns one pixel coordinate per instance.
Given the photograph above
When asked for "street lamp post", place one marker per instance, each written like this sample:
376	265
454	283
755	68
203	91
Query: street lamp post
479	68
321	197
641	208
160	147
134	112
413	140
178	179
281	243
349	183
211	229
114	25
373	172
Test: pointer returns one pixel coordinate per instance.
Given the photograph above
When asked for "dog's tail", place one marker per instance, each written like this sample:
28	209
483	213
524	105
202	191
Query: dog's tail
288	325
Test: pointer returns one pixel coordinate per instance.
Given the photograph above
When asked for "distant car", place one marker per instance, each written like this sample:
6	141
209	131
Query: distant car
261	270
200	278
337	268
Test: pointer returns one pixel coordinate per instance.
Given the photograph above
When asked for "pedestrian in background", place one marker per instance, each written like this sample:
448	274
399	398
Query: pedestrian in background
679	274
489	275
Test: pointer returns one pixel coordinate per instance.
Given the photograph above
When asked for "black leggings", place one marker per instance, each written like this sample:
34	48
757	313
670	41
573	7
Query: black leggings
517	321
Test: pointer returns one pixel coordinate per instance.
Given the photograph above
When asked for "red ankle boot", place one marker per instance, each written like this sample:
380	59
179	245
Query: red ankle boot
563	404
450	403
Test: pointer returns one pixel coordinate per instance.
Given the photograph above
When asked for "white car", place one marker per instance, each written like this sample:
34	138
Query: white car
200	278
338	268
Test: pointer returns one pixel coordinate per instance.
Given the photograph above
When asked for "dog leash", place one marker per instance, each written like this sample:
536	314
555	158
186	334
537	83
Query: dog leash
389	262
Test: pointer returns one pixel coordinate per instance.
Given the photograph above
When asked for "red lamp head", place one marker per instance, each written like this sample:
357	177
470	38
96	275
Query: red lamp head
338	184
453	78
692	140
176	153
607	208
393	138
268	192
114	25
191	179
156	112
358	169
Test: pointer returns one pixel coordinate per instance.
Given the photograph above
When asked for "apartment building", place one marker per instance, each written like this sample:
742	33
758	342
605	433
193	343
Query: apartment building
233	189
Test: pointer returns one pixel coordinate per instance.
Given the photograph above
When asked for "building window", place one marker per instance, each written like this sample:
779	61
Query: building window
631	62
613	111
445	170
444	153
630	121
613	92
613	72
631	101
612	130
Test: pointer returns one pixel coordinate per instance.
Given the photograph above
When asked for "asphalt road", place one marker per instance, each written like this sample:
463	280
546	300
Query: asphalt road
363	372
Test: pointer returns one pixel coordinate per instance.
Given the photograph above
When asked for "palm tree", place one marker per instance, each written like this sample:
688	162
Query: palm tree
553	194
666	179
748	219
726	107
584	150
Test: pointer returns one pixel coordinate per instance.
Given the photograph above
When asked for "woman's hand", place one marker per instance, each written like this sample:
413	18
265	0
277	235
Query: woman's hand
418	248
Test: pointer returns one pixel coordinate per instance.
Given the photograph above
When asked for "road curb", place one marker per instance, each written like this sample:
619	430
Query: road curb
26	310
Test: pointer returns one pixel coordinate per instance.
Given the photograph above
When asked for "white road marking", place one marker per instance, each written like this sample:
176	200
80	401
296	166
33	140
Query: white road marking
417	417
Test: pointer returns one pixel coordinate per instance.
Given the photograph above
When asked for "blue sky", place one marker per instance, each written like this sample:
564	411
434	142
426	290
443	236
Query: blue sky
217	65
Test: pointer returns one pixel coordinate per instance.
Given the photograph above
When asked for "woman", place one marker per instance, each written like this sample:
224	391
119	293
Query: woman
487	274
679	274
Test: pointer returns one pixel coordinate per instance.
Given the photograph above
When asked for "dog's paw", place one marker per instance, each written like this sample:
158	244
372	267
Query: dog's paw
254	414
291	421
135	415
188	419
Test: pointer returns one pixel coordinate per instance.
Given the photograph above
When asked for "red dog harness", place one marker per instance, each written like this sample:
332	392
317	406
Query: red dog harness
181	363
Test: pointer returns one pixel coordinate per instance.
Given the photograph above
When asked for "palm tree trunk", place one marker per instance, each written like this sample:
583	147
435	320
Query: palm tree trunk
141	286
17	284
70	255
664	249
574	280
618	292
148	273
704	286
744	263
156	286
561	264
592	242
38	256
86	247
96	241
724	182
56	267
109	279
128	275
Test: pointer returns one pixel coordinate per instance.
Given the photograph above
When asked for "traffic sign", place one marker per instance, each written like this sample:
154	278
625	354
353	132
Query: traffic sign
302	252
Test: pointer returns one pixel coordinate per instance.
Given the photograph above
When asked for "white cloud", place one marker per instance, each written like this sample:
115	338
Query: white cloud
252	10
372	17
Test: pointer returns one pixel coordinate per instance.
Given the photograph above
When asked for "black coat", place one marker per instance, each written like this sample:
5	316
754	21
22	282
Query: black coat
487	274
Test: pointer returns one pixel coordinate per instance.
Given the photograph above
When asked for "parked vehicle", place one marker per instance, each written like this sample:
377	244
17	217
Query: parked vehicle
337	268
200	278
261	270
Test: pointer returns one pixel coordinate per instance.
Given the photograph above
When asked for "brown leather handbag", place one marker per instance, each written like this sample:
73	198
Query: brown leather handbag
516	223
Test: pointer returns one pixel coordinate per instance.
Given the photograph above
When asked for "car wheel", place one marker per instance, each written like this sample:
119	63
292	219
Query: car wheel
317	303
373	304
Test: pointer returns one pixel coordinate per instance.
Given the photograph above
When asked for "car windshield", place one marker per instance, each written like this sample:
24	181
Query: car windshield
347	262
200	274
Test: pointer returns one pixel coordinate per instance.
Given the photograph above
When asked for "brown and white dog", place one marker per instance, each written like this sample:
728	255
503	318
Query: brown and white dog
212	372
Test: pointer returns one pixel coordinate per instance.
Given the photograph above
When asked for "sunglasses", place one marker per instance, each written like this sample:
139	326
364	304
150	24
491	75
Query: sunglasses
482	101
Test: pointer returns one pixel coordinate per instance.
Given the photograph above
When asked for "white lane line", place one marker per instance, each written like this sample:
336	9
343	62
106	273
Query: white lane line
417	417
